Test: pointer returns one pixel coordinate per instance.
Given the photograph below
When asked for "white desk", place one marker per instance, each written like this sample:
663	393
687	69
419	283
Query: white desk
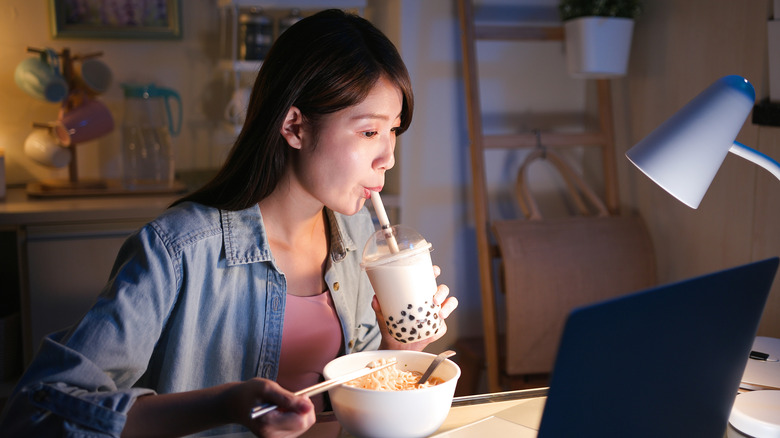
523	407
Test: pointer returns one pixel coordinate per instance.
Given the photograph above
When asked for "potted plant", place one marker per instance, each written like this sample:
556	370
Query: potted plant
598	35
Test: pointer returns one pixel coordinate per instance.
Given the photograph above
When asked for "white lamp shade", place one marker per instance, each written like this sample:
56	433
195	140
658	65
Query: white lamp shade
685	152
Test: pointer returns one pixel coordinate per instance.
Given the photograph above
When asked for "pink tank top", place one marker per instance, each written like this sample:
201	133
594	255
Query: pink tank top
311	337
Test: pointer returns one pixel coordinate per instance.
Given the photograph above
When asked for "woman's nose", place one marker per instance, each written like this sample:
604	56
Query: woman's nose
386	160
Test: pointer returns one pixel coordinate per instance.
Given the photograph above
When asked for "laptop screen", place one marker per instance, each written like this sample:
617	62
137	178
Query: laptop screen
666	361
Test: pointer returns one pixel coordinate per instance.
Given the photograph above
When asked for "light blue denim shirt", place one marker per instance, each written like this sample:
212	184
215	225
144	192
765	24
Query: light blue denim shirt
194	300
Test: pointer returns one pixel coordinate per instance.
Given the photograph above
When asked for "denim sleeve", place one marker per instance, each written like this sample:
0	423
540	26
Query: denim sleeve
65	394
80	383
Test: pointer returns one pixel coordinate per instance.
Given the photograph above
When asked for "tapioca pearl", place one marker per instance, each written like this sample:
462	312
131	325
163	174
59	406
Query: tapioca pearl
413	331
427	333
419	309
411	317
433	305
419	326
390	317
395	326
403	313
427	313
409	307
410	338
435	316
403	329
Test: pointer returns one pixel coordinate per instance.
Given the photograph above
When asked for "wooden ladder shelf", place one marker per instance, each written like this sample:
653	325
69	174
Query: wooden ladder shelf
603	138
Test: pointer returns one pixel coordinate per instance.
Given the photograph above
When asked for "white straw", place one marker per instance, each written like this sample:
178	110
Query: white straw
384	222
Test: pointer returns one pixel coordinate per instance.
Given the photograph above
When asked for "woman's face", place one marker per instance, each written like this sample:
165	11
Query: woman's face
354	149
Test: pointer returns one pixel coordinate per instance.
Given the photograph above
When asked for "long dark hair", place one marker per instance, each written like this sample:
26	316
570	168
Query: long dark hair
322	64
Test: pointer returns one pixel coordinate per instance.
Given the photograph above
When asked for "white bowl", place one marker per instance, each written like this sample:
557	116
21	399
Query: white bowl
392	414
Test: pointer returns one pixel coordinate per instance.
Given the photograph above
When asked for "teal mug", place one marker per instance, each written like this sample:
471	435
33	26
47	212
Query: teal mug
40	77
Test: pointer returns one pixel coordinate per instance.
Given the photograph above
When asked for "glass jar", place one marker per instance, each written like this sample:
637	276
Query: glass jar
255	33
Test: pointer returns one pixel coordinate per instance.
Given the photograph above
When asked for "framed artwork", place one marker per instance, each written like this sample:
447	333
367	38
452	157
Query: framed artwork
119	19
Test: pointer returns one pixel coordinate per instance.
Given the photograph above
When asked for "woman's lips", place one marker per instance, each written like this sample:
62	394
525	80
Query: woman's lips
368	190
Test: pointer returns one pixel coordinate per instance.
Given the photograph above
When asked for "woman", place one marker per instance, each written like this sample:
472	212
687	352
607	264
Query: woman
253	281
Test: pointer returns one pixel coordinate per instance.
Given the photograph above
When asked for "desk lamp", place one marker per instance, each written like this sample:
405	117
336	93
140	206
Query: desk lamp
685	152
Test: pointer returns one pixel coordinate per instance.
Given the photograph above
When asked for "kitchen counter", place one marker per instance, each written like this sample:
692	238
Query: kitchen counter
57	254
19	209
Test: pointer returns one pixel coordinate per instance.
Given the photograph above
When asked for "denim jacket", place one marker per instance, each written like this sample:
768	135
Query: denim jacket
194	300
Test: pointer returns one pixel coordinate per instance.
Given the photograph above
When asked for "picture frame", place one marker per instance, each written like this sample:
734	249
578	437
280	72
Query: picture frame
116	19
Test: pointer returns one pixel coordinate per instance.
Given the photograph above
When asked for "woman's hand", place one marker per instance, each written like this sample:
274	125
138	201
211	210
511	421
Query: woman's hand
293	417
448	305
185	413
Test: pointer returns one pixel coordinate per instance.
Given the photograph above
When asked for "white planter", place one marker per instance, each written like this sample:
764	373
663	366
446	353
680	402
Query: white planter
598	47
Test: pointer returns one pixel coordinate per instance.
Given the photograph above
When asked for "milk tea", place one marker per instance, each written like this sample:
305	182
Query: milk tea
404	284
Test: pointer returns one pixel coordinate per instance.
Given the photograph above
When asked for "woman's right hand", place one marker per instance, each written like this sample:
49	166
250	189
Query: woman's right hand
293	417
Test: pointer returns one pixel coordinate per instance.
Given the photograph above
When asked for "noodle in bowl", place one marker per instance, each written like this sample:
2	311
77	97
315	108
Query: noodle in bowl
373	413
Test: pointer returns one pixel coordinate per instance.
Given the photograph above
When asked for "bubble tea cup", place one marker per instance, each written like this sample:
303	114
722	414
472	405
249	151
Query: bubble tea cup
404	283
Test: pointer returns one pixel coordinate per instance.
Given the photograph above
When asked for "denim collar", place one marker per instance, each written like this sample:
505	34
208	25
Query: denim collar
244	236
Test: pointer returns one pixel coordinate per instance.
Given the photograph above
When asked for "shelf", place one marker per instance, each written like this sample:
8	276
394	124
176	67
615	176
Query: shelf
229	59
521	33
555	139
500	27
286	4
240	65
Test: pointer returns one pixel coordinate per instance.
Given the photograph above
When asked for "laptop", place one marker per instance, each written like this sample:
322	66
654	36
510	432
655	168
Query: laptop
665	361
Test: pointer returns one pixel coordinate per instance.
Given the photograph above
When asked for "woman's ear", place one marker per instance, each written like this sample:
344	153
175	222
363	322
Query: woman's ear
292	127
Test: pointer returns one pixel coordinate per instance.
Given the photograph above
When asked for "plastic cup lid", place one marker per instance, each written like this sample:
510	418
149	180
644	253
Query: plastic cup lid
379	260
377	252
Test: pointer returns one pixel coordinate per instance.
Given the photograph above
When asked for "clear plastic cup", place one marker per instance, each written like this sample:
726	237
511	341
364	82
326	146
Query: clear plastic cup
404	283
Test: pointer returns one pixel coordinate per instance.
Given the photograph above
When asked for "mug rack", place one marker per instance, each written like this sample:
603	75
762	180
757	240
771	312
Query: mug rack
73	183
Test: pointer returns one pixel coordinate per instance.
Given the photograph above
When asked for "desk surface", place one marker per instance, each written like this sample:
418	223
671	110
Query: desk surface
524	407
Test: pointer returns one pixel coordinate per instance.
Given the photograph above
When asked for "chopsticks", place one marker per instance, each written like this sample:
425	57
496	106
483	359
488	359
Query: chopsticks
324	386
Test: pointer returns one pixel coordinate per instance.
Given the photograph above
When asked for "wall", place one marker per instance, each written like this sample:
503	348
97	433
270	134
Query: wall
680	48
186	65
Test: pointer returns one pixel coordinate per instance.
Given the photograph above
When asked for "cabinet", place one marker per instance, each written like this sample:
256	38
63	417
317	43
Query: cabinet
57	255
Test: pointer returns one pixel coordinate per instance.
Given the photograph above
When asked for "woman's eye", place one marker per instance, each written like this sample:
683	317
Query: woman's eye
369	134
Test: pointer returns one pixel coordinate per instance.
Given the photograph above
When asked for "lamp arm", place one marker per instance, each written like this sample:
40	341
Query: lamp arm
756	157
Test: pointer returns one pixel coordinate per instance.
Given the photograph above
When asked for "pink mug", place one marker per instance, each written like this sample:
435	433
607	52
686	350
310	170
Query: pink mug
88	121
